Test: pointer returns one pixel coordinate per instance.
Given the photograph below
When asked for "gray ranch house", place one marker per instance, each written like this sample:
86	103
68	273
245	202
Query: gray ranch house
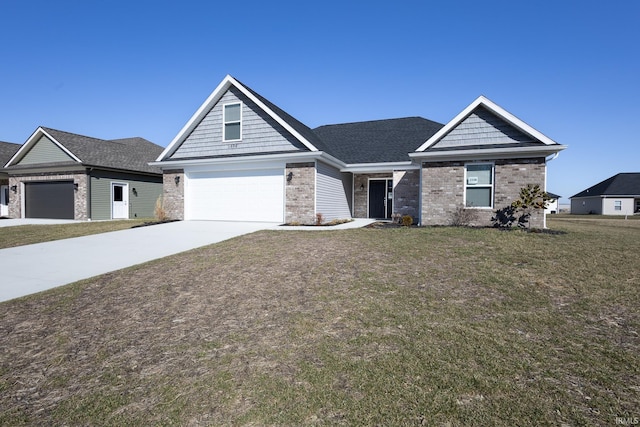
7	150
617	195
57	174
240	157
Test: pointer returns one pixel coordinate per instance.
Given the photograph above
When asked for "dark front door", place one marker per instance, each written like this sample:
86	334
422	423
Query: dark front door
380	198
49	199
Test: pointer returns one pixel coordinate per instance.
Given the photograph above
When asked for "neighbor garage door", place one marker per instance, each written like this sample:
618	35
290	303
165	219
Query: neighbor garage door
256	195
52	199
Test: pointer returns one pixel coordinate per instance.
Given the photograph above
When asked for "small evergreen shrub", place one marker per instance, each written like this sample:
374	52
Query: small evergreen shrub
407	220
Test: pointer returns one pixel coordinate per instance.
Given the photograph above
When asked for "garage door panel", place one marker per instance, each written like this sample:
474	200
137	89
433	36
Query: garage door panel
256	195
54	199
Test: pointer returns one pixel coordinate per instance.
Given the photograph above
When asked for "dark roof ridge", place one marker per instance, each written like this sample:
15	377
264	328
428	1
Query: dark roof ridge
379	120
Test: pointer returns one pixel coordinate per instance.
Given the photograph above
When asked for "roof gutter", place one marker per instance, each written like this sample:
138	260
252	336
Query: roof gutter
487	153
288	157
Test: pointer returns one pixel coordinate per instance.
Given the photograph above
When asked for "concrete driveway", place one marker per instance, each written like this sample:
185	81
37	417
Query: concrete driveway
34	268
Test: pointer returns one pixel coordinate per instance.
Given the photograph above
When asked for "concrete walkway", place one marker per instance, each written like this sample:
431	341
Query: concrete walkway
34	268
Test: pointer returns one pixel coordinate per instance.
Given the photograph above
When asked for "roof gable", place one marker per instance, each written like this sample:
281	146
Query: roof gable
260	132
39	145
622	184
493	124
298	130
64	148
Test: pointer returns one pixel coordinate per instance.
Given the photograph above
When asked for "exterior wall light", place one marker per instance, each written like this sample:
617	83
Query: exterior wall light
14	188
177	179
289	176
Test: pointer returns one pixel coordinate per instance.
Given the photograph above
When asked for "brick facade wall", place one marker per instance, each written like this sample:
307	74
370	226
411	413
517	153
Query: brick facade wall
300	193
81	210
406	193
443	188
173	194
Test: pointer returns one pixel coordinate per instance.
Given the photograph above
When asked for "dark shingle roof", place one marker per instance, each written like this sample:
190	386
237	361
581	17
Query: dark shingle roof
129	154
299	127
377	141
7	150
622	184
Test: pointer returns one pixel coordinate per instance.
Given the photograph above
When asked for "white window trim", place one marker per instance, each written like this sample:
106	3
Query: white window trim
492	186
225	123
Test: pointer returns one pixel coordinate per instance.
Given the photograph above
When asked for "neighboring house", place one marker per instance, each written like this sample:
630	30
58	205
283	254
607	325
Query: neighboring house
240	157
7	150
58	174
618	195
552	204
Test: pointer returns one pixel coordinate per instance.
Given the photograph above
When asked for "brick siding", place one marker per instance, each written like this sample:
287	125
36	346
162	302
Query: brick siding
443	189
300	193
173	194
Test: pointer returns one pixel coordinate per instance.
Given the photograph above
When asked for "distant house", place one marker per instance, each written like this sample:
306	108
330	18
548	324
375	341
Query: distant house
240	157
618	195
7	150
57	174
552	206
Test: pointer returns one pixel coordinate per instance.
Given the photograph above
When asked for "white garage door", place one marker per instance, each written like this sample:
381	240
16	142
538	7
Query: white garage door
256	195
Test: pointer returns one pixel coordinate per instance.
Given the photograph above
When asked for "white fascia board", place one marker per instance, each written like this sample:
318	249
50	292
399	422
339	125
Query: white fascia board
487	153
378	167
196	118
273	115
286	157
35	136
496	109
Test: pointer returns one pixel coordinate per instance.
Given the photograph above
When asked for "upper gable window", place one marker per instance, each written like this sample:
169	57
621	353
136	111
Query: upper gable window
232	119
479	185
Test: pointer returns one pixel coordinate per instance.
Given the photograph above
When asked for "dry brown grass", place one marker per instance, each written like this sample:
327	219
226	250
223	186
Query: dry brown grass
404	326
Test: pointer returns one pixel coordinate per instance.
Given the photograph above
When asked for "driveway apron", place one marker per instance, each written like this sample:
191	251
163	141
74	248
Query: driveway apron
34	268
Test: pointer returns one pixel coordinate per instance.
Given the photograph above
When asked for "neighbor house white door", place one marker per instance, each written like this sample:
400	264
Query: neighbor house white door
4	200
119	200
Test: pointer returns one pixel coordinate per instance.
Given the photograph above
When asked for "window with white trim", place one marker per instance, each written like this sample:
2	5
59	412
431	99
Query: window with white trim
617	205
232	119
478	185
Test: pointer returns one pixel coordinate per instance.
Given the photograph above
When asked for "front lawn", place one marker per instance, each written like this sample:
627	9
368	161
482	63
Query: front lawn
419	326
20	235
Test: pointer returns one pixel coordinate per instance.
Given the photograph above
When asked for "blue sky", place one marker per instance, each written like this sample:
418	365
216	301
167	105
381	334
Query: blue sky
114	69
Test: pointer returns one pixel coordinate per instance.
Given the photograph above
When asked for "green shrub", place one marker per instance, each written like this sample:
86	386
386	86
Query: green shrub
407	220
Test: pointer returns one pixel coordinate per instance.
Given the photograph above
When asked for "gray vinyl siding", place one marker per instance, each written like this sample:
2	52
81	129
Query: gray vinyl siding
259	133
586	205
333	192
142	205
44	151
480	128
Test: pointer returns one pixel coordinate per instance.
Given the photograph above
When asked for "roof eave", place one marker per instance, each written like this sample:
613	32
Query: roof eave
382	167
487	153
297	157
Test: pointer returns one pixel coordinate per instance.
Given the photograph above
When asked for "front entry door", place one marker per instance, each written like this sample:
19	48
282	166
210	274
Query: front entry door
380	198
119	201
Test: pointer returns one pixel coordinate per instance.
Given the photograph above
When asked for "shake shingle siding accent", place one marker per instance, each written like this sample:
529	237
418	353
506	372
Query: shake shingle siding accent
333	192
45	151
259	133
482	127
